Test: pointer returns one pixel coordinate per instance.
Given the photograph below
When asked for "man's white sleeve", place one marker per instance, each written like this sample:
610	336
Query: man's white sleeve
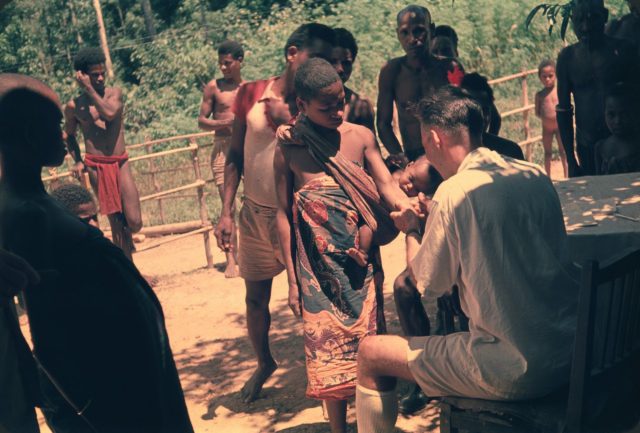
437	263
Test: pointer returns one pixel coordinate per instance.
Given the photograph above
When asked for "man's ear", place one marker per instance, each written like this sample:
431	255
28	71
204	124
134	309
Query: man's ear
292	52
302	105
436	137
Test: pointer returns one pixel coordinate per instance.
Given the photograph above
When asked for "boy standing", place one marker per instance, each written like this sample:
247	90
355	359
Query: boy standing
260	107
546	102
357	110
324	196
585	70
620	153
407	79
97	327
216	115
99	112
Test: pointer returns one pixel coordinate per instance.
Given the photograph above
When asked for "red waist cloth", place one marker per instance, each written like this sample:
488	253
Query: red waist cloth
108	169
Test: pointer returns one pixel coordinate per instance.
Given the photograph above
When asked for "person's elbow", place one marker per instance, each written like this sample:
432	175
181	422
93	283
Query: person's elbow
202	123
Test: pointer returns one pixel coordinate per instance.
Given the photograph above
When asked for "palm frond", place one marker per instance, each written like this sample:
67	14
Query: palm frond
552	12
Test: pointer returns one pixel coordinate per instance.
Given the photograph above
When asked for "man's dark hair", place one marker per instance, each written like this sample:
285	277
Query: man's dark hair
86	57
345	39
625	93
451	108
305	35
71	196
447	32
312	76
420	12
544	64
477	85
231	47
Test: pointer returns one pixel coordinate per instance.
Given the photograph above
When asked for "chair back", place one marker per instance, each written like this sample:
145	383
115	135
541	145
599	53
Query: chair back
608	329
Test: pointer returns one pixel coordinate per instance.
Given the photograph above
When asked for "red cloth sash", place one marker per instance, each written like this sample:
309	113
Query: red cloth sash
248	94
108	168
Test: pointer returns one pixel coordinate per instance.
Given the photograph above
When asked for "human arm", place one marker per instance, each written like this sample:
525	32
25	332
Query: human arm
232	175
385	111
537	103
495	122
388	188
109	105
207	107
284	191
69	136
564	111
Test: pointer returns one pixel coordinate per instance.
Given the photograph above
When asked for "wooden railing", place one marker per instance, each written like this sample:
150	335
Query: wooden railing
526	107
203	226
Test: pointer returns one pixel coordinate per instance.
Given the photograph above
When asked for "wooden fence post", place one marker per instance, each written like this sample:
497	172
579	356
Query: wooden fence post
525	116
204	216
156	186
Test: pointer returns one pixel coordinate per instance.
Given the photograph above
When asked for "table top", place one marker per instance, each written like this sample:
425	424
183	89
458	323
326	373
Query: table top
595	208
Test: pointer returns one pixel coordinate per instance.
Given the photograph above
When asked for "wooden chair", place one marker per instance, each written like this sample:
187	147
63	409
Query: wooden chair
606	357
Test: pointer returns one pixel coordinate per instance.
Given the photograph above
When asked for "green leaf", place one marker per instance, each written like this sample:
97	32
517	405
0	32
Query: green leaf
533	13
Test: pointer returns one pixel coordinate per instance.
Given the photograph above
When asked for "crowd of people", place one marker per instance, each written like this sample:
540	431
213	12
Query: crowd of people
319	201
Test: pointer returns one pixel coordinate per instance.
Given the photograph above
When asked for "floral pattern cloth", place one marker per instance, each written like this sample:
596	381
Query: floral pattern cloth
338	296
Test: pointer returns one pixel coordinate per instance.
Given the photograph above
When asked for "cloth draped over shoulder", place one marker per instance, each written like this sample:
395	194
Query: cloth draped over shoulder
358	185
108	168
248	94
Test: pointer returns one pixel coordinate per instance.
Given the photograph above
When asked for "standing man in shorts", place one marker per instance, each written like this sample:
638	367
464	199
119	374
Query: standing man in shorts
260	107
216	115
99	111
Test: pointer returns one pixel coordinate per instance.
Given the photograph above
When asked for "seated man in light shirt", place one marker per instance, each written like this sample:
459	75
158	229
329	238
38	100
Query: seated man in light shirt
495	229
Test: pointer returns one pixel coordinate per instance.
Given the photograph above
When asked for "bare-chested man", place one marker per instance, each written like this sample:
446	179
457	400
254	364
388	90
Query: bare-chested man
627	27
407	79
216	115
99	112
358	110
260	107
585	70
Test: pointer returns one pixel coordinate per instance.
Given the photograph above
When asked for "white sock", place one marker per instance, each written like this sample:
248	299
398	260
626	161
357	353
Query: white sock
376	411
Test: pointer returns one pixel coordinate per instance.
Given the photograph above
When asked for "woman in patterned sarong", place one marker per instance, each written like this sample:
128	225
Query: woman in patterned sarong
325	200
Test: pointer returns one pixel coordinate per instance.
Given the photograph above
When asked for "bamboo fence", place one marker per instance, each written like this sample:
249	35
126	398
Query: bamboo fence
203	226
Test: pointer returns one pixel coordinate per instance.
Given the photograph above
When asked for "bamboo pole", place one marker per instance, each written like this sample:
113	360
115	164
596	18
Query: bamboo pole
197	184
525	116
171	139
513	76
518	110
171	229
203	230
163	153
154	181
103	38
204	217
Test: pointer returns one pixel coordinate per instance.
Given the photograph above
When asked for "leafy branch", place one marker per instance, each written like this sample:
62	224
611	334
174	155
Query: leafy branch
553	12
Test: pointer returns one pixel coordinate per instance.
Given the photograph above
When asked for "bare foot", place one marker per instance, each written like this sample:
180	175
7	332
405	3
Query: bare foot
231	271
359	256
252	388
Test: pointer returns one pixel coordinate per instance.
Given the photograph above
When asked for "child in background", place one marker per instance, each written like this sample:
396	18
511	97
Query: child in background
620	153
79	201
546	101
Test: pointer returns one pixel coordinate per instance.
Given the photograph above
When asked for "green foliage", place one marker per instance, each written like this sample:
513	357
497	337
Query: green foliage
162	79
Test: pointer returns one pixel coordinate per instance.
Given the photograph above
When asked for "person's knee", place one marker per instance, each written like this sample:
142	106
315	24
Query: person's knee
366	354
134	222
403	290
256	300
547	153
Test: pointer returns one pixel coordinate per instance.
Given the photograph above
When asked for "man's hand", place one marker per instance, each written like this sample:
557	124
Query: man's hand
223	233
425	204
77	170
406	220
15	274
294	299
83	80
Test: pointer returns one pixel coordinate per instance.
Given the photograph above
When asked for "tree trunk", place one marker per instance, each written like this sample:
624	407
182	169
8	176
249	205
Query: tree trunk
103	38
148	19
74	21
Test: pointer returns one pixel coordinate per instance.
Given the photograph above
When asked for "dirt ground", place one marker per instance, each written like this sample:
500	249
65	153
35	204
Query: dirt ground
206	324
